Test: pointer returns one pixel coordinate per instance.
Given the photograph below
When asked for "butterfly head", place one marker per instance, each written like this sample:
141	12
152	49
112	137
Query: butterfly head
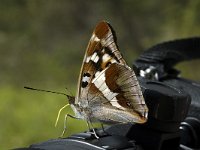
71	99
78	108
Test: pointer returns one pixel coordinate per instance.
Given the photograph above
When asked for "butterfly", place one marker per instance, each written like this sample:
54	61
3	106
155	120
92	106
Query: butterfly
108	90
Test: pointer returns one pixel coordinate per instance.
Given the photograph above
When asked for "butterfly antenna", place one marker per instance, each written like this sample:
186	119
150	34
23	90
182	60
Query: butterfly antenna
69	92
58	116
41	90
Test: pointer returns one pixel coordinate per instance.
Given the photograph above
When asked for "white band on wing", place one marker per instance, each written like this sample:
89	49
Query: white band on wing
99	82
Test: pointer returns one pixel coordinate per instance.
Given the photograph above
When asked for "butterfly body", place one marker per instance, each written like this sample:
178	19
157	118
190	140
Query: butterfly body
108	90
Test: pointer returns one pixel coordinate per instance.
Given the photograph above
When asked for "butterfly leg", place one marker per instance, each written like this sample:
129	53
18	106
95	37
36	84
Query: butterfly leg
88	125
65	123
93	131
102	127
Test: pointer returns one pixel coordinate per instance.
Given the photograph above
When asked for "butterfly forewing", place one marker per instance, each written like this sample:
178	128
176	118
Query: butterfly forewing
101	52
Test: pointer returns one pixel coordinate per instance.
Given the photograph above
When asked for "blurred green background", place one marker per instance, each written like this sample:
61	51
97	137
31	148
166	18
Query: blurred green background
42	44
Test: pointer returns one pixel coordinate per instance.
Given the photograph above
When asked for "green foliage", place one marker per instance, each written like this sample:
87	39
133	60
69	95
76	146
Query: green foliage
42	44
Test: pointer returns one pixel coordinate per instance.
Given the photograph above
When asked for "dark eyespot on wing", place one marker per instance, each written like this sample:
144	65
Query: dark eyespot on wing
86	74
84	84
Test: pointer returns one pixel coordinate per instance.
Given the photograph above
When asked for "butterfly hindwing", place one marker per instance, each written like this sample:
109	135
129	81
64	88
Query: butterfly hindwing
119	86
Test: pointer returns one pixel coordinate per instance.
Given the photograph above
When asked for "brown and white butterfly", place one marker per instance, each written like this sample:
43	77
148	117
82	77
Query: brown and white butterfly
108	90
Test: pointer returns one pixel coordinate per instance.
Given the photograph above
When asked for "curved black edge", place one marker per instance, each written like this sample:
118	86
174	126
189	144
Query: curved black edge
165	55
172	52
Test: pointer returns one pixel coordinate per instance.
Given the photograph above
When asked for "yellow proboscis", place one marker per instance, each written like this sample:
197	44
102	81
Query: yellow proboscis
59	114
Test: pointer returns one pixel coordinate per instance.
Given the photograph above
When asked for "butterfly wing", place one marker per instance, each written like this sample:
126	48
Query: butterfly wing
107	82
101	51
